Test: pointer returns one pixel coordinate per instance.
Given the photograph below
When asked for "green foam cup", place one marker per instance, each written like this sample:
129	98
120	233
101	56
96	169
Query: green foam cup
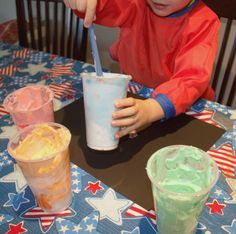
181	178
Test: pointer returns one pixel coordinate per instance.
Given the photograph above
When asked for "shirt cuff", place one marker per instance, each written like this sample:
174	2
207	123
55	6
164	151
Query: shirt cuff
167	105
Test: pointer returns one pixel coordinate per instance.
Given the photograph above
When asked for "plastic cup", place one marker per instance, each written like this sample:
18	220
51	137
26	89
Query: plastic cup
99	96
181	178
47	174
30	105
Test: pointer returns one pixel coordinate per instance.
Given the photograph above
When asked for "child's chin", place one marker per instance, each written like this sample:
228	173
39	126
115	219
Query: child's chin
161	13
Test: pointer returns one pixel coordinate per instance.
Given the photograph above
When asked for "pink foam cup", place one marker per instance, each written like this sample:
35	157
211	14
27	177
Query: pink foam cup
30	105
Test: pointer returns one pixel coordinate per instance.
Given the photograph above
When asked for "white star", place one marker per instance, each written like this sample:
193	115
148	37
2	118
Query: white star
233	114
57	104
228	136
64	229
75	173
42	82
85	219
76	181
33	69
109	206
77	228
16	177
136	230
4	53
95	217
218	192
226	227
59	220
8	132
76	190
9	162
232	185
85	65
1	218
90	228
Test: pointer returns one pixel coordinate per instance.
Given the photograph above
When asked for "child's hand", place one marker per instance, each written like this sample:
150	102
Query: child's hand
135	114
86	6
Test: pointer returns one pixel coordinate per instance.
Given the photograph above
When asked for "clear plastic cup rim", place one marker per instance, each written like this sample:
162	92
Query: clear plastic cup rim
50	156
171	193
106	76
33	109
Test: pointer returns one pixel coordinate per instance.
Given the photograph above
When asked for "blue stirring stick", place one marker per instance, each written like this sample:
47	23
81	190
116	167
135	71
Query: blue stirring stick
95	54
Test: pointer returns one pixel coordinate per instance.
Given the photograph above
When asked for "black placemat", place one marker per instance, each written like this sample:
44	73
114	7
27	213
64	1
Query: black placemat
123	169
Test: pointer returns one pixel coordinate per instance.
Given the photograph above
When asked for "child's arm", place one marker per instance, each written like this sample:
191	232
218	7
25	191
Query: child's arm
192	68
192	71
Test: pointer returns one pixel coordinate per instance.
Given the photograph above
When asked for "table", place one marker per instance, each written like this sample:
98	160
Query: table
96	207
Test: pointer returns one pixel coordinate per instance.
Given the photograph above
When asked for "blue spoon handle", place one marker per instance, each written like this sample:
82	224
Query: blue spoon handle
95	54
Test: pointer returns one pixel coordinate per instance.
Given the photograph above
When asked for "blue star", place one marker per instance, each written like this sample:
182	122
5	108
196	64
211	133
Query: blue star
230	229
15	200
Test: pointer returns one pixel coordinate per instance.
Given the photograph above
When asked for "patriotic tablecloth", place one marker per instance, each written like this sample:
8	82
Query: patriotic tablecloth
96	208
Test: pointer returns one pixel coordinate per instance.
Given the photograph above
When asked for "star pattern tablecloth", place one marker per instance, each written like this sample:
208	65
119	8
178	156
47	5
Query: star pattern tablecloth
97	208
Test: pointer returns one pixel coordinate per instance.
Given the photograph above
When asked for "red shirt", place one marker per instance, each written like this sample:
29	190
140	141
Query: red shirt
174	54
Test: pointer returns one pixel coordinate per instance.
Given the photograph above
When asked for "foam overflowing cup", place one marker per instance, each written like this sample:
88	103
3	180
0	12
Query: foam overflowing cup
99	97
30	105
42	153
181	178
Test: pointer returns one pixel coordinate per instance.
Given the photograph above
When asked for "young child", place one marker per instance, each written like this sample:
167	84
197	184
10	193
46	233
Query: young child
167	45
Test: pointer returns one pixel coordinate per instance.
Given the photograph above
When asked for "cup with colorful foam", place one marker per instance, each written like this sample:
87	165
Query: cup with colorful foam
99	96
181	178
42	153
30	105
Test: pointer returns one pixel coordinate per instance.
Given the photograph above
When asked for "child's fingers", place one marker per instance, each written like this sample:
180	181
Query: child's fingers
67	3
133	134
90	12
124	131
125	102
81	5
124	122
124	113
70	3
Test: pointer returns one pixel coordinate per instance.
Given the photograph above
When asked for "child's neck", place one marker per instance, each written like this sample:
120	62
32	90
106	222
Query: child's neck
189	6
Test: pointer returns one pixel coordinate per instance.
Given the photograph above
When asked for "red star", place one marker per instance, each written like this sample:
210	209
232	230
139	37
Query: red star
18	62
94	187
53	56
45	77
16	229
216	207
69	96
